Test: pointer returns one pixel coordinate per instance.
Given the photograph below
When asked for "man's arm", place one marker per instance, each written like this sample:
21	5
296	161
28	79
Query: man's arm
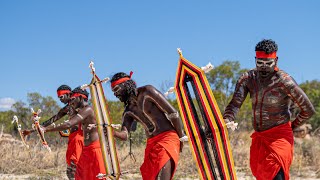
239	95
62	112
79	117
125	129
161	102
301	99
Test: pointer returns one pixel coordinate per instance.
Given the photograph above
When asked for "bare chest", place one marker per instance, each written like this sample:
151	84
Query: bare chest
144	112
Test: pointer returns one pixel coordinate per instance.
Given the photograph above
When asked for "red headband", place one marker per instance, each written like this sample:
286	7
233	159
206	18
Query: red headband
121	80
62	92
262	54
79	94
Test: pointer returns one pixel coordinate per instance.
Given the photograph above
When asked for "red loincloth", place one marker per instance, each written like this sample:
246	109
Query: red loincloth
271	150
75	145
160	149
90	163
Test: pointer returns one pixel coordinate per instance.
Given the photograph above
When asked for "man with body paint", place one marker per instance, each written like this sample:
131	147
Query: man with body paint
75	138
160	120
91	161
272	91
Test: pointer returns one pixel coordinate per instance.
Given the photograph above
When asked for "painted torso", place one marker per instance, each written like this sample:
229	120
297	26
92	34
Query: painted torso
271	99
146	110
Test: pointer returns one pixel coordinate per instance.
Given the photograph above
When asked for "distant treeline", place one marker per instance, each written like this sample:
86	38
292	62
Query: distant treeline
222	80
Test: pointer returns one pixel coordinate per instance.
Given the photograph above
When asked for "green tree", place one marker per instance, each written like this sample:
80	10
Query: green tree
223	79
21	110
116	109
48	105
5	121
312	89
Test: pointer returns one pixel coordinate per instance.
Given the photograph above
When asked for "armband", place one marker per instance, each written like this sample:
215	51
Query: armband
184	138
80	116
232	125
172	115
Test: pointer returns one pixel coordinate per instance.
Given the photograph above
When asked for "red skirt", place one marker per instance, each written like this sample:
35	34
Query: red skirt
271	150
90	163
75	145
160	149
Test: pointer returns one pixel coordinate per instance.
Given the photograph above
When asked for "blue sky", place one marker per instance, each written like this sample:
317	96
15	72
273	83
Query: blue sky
44	44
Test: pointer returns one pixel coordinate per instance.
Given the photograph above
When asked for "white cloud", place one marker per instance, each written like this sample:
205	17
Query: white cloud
6	103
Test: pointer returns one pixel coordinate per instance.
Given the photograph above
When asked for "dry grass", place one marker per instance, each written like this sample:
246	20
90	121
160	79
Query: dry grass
306	160
15	159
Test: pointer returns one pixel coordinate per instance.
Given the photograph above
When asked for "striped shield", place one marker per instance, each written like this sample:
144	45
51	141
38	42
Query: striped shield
108	146
203	123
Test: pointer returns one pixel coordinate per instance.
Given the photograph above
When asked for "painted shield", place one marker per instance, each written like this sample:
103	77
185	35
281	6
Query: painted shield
108	146
203	123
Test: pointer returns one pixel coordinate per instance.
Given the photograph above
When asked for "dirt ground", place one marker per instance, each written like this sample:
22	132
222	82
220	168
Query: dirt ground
240	175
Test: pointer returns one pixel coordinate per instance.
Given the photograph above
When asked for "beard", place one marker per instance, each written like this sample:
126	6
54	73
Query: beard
65	101
265	72
124	97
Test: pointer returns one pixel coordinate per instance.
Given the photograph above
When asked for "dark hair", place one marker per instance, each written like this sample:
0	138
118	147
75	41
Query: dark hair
64	87
80	91
267	45
129	85
119	75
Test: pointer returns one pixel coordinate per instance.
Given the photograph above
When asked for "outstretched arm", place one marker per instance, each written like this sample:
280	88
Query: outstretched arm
238	97
79	117
56	117
62	112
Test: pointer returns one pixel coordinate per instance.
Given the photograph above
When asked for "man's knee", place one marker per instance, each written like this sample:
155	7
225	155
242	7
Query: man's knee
167	170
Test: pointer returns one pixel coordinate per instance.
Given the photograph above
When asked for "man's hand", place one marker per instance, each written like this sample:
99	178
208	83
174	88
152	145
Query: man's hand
27	132
231	124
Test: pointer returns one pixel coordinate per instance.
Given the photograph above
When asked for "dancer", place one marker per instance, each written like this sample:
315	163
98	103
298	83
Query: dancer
91	162
75	138
160	120
272	91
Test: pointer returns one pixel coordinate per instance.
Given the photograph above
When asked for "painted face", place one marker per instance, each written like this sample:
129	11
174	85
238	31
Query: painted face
75	102
65	98
266	66
120	92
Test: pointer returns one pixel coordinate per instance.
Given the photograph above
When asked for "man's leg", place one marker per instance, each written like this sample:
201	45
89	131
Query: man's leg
71	171
280	175
167	170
